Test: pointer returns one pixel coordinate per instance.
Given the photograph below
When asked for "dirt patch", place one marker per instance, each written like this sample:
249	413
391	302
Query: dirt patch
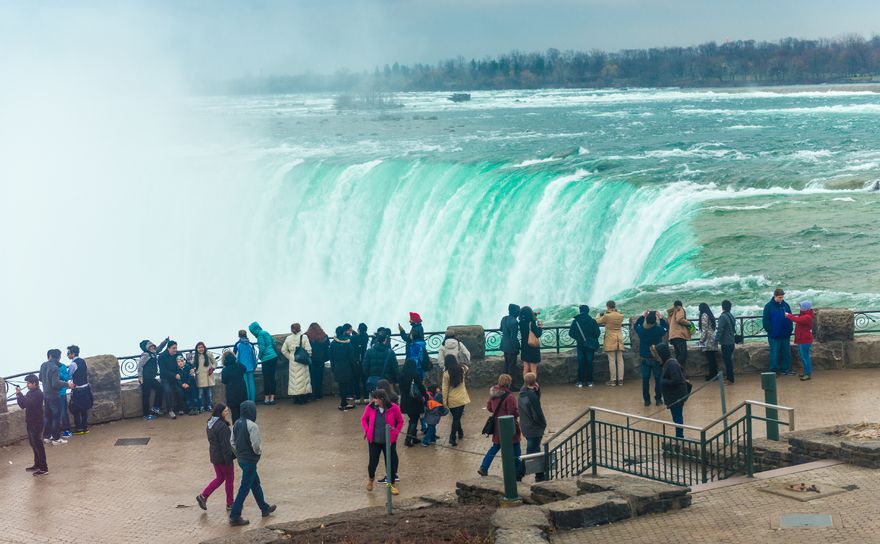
862	431
433	525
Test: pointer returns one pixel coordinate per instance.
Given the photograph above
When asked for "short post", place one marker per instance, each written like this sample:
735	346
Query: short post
768	384
389	476
723	405
507	428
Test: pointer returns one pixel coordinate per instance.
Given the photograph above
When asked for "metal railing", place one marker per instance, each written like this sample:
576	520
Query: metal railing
717	451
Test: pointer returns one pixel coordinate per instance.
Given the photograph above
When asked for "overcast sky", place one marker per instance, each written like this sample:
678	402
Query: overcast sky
228	38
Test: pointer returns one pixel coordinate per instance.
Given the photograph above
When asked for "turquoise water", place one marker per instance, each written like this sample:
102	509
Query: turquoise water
555	198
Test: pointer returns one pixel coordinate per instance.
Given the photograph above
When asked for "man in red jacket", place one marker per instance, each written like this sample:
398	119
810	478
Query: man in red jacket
803	336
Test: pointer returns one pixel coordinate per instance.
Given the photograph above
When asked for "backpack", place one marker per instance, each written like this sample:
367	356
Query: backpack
417	351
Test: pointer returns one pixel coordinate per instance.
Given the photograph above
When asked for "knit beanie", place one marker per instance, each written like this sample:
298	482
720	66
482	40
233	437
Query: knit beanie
806	305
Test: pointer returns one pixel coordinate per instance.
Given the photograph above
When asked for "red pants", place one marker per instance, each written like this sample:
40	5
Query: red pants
225	474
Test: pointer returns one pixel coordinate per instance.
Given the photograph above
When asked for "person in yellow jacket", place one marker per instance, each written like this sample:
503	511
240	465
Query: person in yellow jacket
455	395
613	346
679	332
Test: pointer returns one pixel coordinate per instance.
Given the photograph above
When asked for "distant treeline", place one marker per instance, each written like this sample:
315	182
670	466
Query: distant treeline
789	61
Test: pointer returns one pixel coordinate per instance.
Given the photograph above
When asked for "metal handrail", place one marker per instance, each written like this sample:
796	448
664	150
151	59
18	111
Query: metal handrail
742	404
648	419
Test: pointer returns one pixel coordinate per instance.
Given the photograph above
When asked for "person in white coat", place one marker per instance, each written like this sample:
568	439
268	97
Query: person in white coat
299	384
452	346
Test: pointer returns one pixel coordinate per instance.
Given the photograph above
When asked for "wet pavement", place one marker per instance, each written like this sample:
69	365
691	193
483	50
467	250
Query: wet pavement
314	461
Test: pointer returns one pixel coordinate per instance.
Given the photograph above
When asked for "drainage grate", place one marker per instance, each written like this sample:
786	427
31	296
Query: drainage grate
132	441
791	521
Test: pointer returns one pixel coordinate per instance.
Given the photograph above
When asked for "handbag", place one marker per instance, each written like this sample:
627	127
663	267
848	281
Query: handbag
300	355
534	341
489	426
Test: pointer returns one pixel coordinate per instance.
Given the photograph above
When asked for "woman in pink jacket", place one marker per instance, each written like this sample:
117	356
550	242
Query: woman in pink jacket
377	414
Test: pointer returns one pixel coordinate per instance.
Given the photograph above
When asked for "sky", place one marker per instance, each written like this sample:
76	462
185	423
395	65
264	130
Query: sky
221	39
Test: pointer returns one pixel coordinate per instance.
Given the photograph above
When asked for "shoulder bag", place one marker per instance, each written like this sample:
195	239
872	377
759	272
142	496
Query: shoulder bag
534	341
489	426
300	355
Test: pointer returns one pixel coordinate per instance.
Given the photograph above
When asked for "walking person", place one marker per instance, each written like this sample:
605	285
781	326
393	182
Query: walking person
708	344
268	360
221	455
509	339
803	336
531	417
412	399
679	332
453	346
247	445
455	395
675	386
585	332
725	335
247	356
204	365
650	328
233	377
169	374
320	354
502	403
779	331
612	344
343	360
51	379
81	399
299	381
530	331
377	414
32	403
148	370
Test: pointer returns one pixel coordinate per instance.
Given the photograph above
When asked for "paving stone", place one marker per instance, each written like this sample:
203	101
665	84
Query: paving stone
254	536
523	517
488	490
553	490
588	510
519	536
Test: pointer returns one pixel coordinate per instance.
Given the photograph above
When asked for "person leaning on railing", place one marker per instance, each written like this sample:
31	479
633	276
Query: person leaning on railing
585	332
674	385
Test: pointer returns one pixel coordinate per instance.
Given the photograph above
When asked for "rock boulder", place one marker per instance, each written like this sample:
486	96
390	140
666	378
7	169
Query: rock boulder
106	388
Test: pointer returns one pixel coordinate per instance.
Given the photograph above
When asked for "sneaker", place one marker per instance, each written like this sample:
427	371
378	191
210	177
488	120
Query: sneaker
789	373
341	408
394	490
482	472
172	415
82	432
40	472
66	434
383	481
806	377
157	411
611	383
647	403
370	484
180	412
203	502
238	522
425	444
32	469
149	417
589	384
659	402
579	385
268	511
47	440
59	442
229	508
349	406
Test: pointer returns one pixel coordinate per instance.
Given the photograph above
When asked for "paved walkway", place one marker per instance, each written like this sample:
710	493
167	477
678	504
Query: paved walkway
315	462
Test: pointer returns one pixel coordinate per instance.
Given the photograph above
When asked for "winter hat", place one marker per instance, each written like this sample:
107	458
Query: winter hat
415	318
144	345
584	309
806	305
340	332
513	309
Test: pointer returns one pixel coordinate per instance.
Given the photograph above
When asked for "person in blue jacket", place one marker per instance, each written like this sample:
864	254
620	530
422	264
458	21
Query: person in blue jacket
779	331
650	328
268	360
246	355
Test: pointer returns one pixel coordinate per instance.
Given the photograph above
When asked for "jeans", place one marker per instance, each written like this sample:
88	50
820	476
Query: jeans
456	423
377	449
680	346
224	474
206	395
533	445
190	397
430	435
316	376
250	482
727	356
151	385
585	357
651	367
490	456
779	346
250	385
804	350
510	364
35	439
172	399
678	417
52	416
269	376
65	415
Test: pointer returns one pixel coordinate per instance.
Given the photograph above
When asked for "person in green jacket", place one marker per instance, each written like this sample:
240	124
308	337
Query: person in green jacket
268	360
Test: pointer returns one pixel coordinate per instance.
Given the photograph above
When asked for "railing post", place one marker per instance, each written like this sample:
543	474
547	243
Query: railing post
750	468
547	472
594	457
768	384
389	476
704	467
507	428
557	340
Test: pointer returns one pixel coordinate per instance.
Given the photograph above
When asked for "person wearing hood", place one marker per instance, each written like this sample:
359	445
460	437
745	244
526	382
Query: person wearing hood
531	416
247	445
221	455
675	386
247	356
233	378
412	399
453	346
148	370
50	377
360	341
803	336
416	346
778	333
725	336
299	381
343	360
377	414
169	374
510	339
502	403
268	360
320	343
585	332
650	328
380	362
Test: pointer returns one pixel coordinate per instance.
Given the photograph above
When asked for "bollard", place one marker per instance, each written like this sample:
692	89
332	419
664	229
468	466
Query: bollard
389	476
506	430
768	384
